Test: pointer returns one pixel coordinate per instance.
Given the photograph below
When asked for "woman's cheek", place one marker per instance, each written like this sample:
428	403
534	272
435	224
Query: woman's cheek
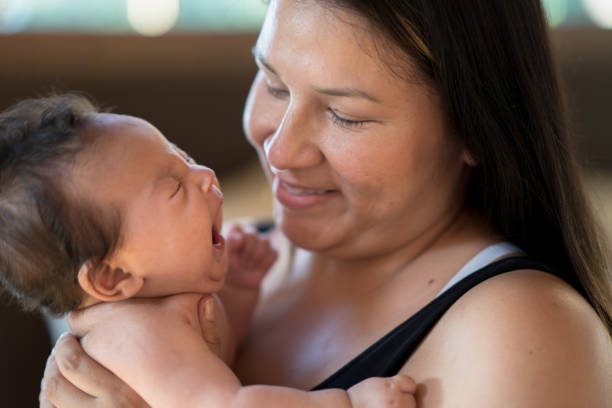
262	113
248	113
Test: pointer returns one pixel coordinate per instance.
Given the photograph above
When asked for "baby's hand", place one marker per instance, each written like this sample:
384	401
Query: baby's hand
250	256
377	392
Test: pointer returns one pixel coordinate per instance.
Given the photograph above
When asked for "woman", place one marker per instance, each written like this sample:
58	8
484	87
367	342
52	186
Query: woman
406	141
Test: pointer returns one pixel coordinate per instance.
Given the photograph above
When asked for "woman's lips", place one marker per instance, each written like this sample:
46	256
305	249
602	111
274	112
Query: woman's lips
300	198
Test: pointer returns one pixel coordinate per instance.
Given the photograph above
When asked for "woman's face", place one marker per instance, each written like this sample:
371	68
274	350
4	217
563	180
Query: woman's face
361	161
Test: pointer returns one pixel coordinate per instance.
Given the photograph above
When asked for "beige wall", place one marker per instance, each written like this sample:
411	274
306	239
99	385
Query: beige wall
193	86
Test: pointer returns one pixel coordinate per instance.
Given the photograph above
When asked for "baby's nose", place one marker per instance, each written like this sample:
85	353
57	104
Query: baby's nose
216	190
206	177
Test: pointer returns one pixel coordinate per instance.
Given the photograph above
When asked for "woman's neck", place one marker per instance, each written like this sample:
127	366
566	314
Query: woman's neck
421	263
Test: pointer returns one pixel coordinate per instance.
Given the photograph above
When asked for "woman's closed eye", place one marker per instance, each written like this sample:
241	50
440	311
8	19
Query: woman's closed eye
277	92
346	123
338	120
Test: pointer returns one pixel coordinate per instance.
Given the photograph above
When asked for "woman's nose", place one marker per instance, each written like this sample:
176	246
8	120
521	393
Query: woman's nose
262	113
294	143
278	130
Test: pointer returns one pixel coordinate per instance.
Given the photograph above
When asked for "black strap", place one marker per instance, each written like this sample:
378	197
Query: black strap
386	357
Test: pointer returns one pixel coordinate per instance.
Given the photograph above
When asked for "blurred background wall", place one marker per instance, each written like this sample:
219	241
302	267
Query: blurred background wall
186	67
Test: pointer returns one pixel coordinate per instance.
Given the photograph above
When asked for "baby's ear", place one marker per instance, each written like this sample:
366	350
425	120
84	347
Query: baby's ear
108	283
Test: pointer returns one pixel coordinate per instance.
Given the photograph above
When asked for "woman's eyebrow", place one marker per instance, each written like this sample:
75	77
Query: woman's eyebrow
348	92
259	57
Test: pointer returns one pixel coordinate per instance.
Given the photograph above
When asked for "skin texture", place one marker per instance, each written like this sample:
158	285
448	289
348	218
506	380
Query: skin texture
373	246
402	160
129	339
378	209
149	304
377	172
133	168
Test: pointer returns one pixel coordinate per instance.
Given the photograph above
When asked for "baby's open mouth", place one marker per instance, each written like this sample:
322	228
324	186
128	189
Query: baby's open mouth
217	239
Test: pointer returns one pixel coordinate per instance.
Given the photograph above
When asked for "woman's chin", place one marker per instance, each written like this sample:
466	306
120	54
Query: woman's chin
338	240
309	234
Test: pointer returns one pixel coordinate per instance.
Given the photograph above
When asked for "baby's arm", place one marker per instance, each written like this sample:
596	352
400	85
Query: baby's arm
250	256
155	347
376	392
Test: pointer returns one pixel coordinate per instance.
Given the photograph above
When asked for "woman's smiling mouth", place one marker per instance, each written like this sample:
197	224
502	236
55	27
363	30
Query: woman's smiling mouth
301	198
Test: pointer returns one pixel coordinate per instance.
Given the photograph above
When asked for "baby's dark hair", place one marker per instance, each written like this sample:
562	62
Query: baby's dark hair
48	231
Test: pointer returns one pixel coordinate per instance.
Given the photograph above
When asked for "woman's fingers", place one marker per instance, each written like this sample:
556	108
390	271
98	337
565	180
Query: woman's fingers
78	368
50	371
56	391
209	327
82	382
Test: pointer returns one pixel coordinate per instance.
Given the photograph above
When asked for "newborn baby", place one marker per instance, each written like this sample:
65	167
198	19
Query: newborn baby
102	216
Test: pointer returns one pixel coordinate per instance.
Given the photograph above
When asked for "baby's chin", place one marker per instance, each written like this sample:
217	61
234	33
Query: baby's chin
215	284
218	273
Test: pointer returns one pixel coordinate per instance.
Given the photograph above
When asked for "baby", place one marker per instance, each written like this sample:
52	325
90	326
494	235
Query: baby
100	214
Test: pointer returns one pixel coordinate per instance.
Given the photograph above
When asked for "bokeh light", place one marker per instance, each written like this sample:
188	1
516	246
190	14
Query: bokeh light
556	11
600	12
153	17
157	17
14	16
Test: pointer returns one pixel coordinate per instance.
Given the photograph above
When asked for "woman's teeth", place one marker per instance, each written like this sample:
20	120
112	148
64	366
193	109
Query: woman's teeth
303	191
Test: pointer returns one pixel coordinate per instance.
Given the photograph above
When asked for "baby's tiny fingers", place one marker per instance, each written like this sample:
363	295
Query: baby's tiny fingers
405	383
268	260
251	247
235	240
232	228
260	250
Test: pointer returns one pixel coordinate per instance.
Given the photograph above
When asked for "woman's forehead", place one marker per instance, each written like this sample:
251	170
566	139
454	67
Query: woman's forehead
334	43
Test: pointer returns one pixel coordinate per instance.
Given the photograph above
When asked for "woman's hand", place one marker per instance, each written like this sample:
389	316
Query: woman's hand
133	339
72	379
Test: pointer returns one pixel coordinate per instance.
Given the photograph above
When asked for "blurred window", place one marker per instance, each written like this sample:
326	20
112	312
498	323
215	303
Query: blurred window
157	17
147	17
579	12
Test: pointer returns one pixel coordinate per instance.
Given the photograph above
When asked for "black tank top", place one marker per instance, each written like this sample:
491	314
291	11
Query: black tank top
387	356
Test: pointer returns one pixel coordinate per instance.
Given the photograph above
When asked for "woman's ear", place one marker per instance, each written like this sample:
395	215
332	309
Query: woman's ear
108	283
468	158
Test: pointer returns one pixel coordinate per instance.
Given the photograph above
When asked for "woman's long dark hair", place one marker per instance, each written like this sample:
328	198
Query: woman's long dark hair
491	63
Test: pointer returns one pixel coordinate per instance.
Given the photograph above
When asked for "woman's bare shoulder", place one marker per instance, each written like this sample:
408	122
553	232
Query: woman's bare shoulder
521	339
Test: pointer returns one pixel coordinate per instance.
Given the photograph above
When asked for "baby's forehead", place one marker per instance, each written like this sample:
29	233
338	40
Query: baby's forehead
114	141
124	154
109	122
103	128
